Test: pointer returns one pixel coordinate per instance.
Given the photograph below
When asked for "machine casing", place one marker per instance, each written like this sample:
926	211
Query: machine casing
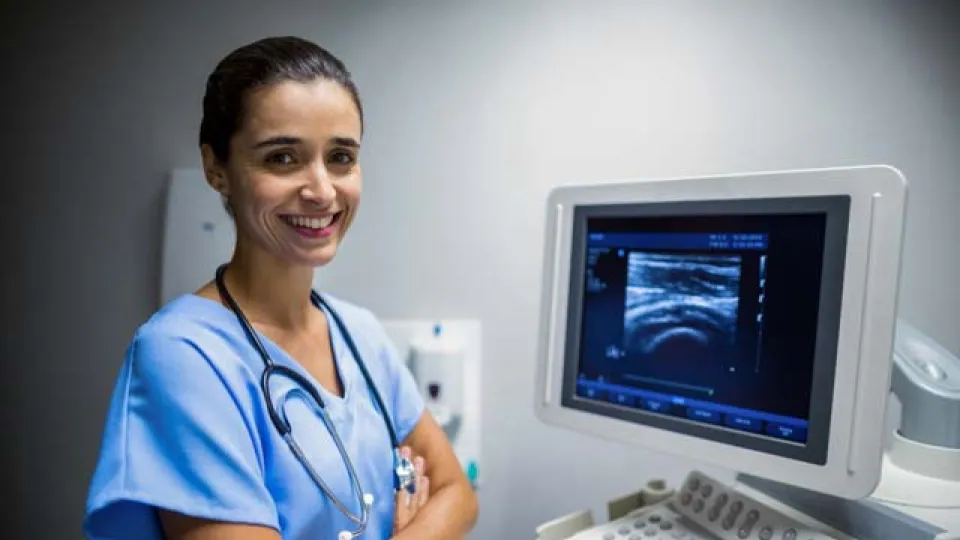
871	268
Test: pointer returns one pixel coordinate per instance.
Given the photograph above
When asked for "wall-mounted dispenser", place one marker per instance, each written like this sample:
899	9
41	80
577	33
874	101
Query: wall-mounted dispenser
198	234
444	358
437	362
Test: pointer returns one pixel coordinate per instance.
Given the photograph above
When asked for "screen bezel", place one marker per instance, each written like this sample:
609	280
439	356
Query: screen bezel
835	208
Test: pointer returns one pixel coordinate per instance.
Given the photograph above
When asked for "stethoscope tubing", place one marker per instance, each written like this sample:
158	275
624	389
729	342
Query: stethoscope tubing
283	425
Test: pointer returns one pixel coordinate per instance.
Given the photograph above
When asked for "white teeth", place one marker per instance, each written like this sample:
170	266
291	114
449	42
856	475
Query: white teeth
311	223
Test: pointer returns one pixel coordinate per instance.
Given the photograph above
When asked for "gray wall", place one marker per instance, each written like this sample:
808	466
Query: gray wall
474	113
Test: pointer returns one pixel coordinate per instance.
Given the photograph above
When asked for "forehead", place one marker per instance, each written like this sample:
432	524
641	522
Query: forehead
317	109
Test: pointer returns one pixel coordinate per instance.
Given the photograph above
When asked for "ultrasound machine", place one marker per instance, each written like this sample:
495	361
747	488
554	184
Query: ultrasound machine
749	322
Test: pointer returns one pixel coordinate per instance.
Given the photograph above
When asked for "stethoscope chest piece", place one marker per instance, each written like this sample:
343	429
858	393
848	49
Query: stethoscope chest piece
405	473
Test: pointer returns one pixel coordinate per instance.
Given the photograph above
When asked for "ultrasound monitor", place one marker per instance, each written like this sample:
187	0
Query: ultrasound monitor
744	321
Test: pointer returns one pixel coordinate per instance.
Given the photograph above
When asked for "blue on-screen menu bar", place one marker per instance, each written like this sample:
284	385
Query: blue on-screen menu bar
732	241
781	427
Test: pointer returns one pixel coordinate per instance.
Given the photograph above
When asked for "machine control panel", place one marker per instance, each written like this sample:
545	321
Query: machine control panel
704	509
730	515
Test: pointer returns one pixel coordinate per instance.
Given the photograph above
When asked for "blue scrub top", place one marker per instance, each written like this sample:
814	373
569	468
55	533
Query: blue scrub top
188	429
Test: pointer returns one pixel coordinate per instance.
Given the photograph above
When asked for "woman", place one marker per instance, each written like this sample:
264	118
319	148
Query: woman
192	449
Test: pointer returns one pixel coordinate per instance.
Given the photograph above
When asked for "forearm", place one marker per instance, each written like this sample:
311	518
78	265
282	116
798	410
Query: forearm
449	514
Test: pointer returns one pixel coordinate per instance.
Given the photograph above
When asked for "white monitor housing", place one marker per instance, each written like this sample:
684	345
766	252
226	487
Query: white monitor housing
742	320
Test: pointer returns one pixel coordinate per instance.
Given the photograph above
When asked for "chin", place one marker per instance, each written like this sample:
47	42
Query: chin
318	257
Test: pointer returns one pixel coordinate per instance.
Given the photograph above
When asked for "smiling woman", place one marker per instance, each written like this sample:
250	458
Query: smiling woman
256	407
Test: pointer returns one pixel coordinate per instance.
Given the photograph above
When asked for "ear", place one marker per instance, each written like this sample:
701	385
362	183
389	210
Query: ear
214	171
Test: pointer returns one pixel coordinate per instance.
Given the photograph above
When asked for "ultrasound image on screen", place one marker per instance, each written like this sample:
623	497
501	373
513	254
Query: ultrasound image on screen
706	320
680	305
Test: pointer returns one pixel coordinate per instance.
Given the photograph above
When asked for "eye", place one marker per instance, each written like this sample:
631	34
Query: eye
281	158
342	158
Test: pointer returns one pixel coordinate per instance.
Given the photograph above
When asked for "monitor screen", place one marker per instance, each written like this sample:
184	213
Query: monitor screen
716	319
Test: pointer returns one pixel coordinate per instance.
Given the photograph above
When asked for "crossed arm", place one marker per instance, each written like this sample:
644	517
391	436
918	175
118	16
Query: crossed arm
451	510
449	513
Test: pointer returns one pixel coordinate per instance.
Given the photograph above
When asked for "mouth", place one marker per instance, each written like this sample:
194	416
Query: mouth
313	226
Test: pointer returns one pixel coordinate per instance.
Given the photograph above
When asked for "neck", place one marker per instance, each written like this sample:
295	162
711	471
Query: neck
270	292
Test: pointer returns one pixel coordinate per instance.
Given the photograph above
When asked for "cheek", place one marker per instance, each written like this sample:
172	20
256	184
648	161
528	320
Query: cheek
354	195
255	200
264	192
254	221
352	189
351	195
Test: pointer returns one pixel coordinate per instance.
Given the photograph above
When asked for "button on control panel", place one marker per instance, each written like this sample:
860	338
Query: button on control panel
704	509
730	515
659	522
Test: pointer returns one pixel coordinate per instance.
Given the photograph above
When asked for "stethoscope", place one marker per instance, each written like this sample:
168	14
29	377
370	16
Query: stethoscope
403	470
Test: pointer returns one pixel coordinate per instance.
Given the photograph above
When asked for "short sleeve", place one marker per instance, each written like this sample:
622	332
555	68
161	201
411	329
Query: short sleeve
177	439
407	402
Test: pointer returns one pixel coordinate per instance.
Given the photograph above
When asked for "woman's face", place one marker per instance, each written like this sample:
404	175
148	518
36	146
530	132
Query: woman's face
293	179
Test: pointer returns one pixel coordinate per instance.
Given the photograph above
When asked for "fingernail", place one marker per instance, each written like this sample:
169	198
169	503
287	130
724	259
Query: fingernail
405	452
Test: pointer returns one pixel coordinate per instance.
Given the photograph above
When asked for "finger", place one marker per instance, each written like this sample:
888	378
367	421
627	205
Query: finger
420	466
423	491
397	516
402	510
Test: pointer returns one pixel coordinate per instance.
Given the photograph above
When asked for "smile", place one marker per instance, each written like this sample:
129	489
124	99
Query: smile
312	226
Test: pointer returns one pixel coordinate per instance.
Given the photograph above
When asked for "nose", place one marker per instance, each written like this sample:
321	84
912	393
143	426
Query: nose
319	187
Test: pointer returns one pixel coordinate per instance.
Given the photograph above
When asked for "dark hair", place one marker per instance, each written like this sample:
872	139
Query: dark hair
267	61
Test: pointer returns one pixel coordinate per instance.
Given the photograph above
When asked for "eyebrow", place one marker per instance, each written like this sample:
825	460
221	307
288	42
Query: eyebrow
278	141
346	141
288	140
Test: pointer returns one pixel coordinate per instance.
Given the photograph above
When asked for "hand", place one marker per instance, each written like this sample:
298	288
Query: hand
406	505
